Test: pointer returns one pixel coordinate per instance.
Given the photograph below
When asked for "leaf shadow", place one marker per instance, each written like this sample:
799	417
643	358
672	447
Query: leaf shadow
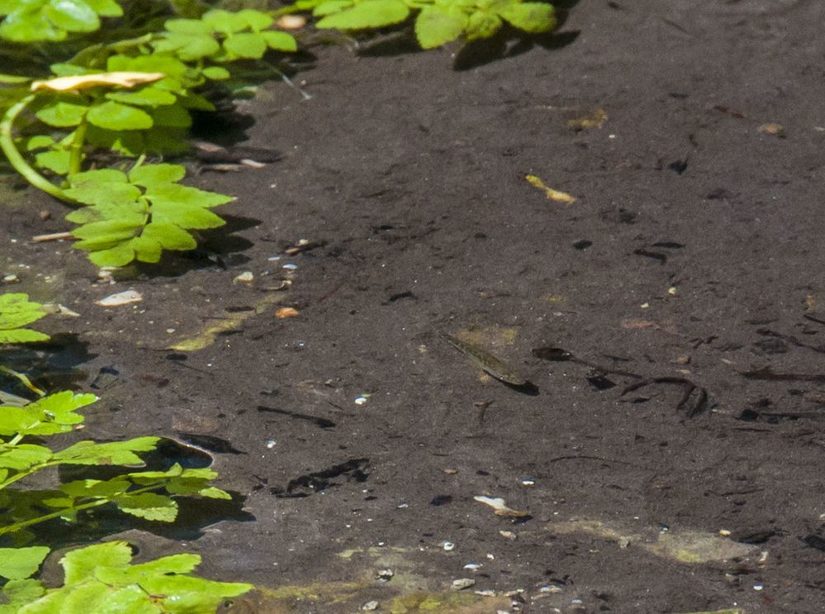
508	43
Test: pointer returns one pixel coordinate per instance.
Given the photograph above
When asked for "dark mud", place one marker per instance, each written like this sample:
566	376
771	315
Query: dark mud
683	291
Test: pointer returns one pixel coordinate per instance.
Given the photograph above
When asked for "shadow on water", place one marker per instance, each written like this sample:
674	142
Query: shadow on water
194	514
218	249
508	42
52	366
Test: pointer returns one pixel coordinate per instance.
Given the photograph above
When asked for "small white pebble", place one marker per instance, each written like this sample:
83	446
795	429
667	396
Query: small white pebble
448	546
247	277
462	583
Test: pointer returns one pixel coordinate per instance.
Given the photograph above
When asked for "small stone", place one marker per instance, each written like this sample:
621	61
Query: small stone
773	129
286	312
44	215
448	546
507	535
291	22
121	298
385	575
487	593
462	583
247	277
369	606
11	278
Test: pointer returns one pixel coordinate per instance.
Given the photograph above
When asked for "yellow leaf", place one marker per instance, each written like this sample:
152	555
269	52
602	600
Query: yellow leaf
102	79
595	120
559	197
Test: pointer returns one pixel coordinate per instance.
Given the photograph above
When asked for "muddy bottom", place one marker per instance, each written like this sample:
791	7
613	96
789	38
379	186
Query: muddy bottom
667	454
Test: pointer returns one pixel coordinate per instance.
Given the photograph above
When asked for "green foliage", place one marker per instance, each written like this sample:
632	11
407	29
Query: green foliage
145	494
98	578
137	216
16	311
101	578
438	21
29	21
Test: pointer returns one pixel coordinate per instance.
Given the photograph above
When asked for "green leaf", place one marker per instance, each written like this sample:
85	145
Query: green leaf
188	47
62	114
45	416
172	195
186	216
255	20
72	15
105	8
436	26
115	116
482	25
146	249
367	14
533	17
216	73
18	593
96	488
148	505
187	26
104	193
331	6
188	594
280	41
57	161
39	141
117	256
22	335
215	493
25	26
169	236
16	310
246	45
148	175
23	457
224	21
20	563
148	96
174	564
107	234
104	175
109	453
172	116
168	65
80	565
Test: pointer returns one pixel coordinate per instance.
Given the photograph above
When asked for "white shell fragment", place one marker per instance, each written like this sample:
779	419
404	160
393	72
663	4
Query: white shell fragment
247	277
500	507
121	298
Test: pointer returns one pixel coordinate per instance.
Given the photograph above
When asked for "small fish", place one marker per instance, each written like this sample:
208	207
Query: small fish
488	363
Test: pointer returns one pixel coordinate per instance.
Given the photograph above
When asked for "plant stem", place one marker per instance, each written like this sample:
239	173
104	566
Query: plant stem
77	508
23	379
76	148
18	161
